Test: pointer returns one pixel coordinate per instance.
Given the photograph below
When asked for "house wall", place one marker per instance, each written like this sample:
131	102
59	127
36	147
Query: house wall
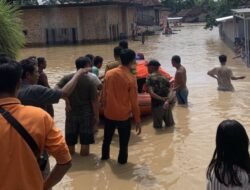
98	23
93	23
146	16
227	32
32	22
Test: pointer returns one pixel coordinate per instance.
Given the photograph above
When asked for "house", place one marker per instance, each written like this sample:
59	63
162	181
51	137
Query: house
195	14
226	30
235	32
148	14
92	21
242	30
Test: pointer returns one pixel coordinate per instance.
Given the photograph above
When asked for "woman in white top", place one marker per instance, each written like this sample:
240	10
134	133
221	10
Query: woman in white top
230	165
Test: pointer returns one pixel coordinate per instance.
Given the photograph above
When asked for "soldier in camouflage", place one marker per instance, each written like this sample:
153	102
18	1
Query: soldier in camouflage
159	89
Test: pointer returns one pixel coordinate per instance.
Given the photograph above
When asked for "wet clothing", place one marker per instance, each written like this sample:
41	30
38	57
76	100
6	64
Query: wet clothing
79	121
160	114
160	85
224	75
38	96
95	71
19	167
79	126
124	130
182	96
214	183
119	100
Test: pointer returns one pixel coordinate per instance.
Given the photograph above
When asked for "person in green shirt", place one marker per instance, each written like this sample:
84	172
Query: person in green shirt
98	61
83	113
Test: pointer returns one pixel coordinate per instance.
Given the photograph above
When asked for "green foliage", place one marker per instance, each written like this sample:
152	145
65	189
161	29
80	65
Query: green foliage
11	35
221	8
178	5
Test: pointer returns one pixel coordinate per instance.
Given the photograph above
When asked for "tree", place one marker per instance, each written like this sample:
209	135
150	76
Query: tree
221	8
11	35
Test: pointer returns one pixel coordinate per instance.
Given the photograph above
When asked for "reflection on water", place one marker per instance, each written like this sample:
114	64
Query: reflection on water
170	159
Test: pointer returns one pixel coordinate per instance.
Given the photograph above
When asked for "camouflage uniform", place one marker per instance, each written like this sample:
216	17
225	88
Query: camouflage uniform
160	85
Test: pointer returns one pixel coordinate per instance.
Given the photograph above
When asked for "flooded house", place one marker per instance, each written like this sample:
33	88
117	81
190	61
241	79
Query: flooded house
235	32
95	21
148	14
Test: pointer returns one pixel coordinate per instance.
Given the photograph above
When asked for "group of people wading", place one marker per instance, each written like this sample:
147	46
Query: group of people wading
28	134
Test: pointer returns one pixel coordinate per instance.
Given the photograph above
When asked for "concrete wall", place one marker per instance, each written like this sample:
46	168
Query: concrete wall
91	23
227	32
33	25
146	16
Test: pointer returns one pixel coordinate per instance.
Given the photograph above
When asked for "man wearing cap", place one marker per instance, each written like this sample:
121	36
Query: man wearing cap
159	90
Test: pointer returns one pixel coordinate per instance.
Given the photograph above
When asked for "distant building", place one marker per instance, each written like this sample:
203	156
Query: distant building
196	14
94	21
226	30
149	13
235	32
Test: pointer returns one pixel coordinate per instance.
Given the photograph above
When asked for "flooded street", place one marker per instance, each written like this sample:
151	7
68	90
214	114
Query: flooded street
171	159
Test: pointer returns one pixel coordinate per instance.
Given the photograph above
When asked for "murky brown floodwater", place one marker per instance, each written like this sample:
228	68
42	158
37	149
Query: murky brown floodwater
173	159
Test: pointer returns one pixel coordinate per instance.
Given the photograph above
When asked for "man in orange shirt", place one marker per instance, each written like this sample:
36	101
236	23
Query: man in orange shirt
119	100
19	167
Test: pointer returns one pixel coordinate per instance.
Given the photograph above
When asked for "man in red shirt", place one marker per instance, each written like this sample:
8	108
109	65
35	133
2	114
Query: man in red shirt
119	100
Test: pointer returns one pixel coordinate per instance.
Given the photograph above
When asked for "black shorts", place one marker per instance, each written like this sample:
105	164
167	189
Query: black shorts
82	126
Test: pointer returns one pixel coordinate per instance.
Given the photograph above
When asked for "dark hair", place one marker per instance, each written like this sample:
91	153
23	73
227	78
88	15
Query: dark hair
223	59
231	152
40	60
33	59
98	60
156	64
82	62
140	56
123	44
91	57
117	51
4	58
127	55
28	66
176	59
10	74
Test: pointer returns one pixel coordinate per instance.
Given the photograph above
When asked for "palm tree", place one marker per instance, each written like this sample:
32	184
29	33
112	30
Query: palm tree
11	35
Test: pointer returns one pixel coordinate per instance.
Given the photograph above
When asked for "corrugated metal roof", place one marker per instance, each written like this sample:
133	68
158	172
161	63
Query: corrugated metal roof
245	10
223	19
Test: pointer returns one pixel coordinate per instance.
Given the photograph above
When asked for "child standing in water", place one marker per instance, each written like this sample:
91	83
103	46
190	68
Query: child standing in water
230	165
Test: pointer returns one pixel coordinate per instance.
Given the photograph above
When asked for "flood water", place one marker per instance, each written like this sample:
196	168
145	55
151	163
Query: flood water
172	159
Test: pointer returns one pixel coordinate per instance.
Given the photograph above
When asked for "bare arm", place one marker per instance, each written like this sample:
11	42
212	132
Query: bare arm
237	78
155	96
234	77
56	175
212	73
70	86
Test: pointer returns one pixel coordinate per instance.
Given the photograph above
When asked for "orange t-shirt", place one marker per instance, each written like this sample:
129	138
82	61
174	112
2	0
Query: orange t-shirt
120	95
19	169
